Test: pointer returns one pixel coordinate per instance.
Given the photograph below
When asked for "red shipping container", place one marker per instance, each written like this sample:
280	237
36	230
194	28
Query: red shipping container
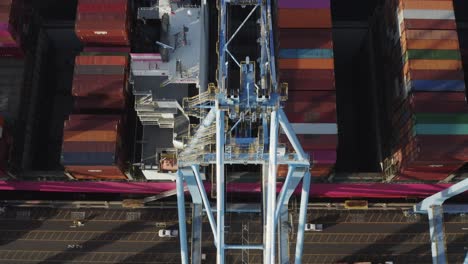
309	85
443	147
312	96
298	38
430	24
431	34
107	49
102	22
90	20
419	175
74	146
323	156
311	142
436	75
443	103
317	170
101	60
304	18
94	117
432	97
311	112
106	85
307	75
92	124
319	142
14	52
101	2
435	164
98	102
105	32
118	8
321	170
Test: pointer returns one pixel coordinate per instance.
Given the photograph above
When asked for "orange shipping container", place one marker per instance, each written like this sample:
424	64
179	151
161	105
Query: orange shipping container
430	44
96	172
306	64
304	18
437	5
321	170
90	135
101	60
431	34
432	65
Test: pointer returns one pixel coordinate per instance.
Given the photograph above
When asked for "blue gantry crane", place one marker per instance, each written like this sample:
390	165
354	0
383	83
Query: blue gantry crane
433	207
239	124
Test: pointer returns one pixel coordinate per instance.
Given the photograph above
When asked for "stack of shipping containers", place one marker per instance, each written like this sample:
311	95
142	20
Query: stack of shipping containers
306	63
12	18
94	146
10	28
425	89
461	13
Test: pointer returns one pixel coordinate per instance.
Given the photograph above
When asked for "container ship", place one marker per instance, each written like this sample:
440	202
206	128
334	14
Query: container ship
102	92
135	118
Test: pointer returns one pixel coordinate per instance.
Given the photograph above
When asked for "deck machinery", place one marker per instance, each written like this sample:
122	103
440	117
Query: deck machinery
239	124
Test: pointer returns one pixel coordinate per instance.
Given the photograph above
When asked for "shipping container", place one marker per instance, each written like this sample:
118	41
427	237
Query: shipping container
426	86
430	44
88	158
304	18
315	128
90	135
106	49
315	74
98	70
96	172
102	23
105	85
305	53
438	85
436	75
92	146
428	14
449	24
309	85
305	38
433	54
306	64
95	123
431	34
101	60
98	102
323	156
94	117
314	142
317	4
422	4
417	175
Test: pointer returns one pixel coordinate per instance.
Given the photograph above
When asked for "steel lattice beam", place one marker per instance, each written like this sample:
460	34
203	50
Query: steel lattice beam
432	206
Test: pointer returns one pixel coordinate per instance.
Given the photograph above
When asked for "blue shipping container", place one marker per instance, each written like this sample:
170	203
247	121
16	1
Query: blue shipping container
442	129
438	85
306	53
88	158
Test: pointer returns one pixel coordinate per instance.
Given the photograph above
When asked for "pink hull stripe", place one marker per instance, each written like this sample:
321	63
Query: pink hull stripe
377	190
